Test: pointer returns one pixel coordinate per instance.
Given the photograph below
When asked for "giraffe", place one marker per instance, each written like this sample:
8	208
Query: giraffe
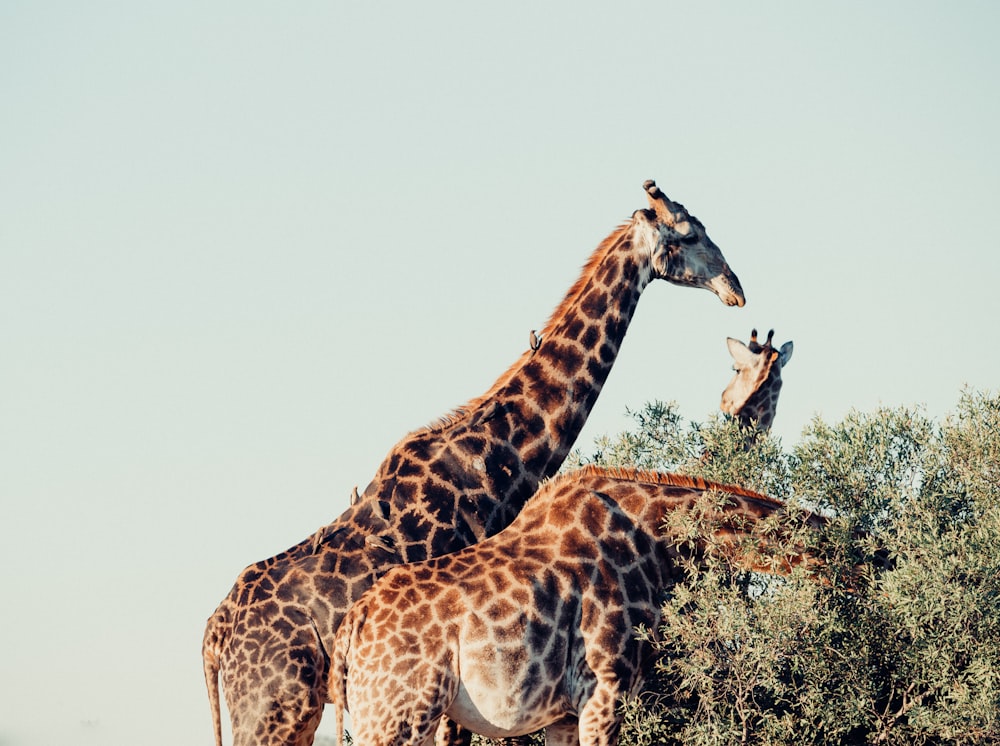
534	627
447	485
752	395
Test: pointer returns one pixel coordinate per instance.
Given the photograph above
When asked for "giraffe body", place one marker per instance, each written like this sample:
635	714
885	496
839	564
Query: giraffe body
446	486
533	627
752	395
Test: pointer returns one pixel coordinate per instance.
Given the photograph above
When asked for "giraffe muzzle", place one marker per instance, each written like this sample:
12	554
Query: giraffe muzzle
727	286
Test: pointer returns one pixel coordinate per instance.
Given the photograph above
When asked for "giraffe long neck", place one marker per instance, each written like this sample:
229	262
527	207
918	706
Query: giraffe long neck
553	388
474	470
731	525
757	415
653	500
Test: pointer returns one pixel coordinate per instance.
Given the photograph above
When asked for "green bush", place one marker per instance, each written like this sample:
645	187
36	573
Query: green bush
909	655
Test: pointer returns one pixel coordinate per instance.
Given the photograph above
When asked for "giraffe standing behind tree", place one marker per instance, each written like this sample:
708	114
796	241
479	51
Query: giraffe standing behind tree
752	396
446	486
535	627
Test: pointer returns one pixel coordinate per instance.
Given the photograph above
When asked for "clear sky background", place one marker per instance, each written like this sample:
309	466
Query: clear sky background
246	246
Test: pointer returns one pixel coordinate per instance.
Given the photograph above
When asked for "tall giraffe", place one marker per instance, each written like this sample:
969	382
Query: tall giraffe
446	486
752	395
535	627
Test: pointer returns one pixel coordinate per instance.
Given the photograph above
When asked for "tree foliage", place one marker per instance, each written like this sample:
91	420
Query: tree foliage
906	655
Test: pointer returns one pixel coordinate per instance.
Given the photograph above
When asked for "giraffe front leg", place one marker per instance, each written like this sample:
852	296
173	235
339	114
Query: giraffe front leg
599	721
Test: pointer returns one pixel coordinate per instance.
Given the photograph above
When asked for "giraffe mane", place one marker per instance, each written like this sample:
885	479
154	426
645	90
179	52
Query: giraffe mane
576	289
668	479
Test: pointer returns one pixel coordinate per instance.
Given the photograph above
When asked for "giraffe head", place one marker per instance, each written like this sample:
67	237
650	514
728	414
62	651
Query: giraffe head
682	251
752	395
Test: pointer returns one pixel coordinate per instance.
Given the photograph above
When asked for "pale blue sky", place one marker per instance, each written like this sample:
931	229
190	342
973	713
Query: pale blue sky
245	247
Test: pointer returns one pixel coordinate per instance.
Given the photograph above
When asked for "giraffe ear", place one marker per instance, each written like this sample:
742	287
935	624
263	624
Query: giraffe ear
742	356
785	354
